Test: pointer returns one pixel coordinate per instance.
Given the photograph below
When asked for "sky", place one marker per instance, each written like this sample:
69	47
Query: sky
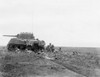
73	23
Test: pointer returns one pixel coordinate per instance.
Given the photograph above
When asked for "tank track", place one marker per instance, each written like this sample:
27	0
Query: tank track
13	47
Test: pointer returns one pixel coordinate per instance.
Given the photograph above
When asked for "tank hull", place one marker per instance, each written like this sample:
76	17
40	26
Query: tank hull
15	44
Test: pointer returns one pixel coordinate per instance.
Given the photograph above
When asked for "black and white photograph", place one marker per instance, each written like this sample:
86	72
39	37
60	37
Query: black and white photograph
49	38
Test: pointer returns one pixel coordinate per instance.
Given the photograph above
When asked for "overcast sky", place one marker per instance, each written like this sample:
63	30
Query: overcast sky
60	22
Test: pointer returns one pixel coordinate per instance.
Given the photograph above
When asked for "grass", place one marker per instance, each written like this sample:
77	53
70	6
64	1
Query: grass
82	62
28	64
24	64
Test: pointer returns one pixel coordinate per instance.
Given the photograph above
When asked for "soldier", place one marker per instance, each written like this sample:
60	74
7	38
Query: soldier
75	53
52	48
59	49
48	47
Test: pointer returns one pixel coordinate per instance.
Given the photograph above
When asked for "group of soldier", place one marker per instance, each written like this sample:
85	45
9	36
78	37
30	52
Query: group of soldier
50	47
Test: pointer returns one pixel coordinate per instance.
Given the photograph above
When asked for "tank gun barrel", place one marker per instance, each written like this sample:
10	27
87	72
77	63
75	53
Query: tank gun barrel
10	35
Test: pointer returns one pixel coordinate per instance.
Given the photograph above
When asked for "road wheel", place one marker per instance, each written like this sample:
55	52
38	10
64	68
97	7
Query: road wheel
11	47
22	47
29	47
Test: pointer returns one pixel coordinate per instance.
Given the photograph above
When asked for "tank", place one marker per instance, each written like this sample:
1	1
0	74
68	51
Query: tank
23	36
24	41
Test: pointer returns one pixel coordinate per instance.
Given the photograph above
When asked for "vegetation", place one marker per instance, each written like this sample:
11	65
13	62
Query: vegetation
23	64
